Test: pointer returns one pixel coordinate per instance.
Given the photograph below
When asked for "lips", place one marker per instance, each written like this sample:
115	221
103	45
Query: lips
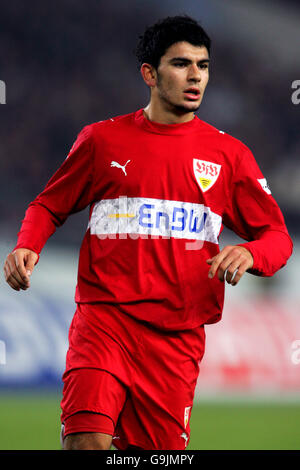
192	93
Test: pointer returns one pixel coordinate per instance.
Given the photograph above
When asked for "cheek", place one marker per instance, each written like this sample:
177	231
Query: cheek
173	78
176	84
205	79
172	84
169	86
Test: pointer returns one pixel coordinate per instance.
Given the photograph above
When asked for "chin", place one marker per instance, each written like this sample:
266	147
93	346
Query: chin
187	108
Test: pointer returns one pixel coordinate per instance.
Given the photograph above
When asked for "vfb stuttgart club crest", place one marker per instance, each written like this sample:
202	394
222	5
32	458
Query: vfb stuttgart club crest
206	173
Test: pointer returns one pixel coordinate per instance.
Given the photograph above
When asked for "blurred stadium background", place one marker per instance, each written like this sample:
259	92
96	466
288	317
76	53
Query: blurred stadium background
66	64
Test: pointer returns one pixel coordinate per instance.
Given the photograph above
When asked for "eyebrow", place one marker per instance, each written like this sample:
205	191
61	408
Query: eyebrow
187	61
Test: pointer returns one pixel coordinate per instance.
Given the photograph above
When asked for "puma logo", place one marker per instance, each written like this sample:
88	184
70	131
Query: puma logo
117	165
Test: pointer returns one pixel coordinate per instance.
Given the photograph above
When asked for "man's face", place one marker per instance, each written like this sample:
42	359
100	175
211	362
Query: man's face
182	76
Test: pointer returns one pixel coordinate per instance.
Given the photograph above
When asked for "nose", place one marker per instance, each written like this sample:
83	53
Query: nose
194	73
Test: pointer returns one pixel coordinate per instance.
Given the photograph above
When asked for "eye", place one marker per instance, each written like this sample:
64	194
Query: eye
203	66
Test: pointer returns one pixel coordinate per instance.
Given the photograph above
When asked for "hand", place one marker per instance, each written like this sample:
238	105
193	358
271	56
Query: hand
18	268
231	259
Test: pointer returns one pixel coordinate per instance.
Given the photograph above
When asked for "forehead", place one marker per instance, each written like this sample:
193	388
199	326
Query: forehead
186	50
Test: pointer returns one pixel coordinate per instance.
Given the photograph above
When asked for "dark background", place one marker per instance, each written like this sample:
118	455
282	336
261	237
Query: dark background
69	63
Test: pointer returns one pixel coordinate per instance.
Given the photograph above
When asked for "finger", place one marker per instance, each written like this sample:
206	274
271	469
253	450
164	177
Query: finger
13	273
16	281
20	266
232	269
230	264
5	269
240	272
224	265
10	280
30	263
217	260
13	286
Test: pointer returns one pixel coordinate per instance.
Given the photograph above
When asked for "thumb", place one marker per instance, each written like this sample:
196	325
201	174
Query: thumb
32	257
209	261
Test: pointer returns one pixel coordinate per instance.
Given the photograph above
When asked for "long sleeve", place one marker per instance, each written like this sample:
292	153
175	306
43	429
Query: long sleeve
254	215
67	192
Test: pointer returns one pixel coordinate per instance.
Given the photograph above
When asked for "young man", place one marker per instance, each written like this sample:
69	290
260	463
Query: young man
160	184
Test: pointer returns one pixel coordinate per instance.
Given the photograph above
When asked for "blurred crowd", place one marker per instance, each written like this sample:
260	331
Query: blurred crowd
67	64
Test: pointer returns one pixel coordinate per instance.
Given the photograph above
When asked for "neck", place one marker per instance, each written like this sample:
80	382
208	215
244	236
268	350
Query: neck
165	116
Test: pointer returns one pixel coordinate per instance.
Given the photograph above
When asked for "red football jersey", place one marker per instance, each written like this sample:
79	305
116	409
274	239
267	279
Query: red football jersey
159	195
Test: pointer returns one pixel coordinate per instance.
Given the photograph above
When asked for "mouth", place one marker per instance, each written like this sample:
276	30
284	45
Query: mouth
192	93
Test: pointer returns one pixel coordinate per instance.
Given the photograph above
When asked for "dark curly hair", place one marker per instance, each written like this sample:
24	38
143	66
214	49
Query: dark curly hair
156	39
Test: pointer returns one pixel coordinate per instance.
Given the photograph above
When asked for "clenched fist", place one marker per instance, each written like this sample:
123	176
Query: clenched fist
18	268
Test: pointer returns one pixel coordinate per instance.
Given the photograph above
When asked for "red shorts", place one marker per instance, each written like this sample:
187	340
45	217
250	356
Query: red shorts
130	380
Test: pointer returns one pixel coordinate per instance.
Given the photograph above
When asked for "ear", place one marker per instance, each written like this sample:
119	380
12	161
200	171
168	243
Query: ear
149	74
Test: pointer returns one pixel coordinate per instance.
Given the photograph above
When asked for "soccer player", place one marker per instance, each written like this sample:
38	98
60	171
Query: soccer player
160	183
